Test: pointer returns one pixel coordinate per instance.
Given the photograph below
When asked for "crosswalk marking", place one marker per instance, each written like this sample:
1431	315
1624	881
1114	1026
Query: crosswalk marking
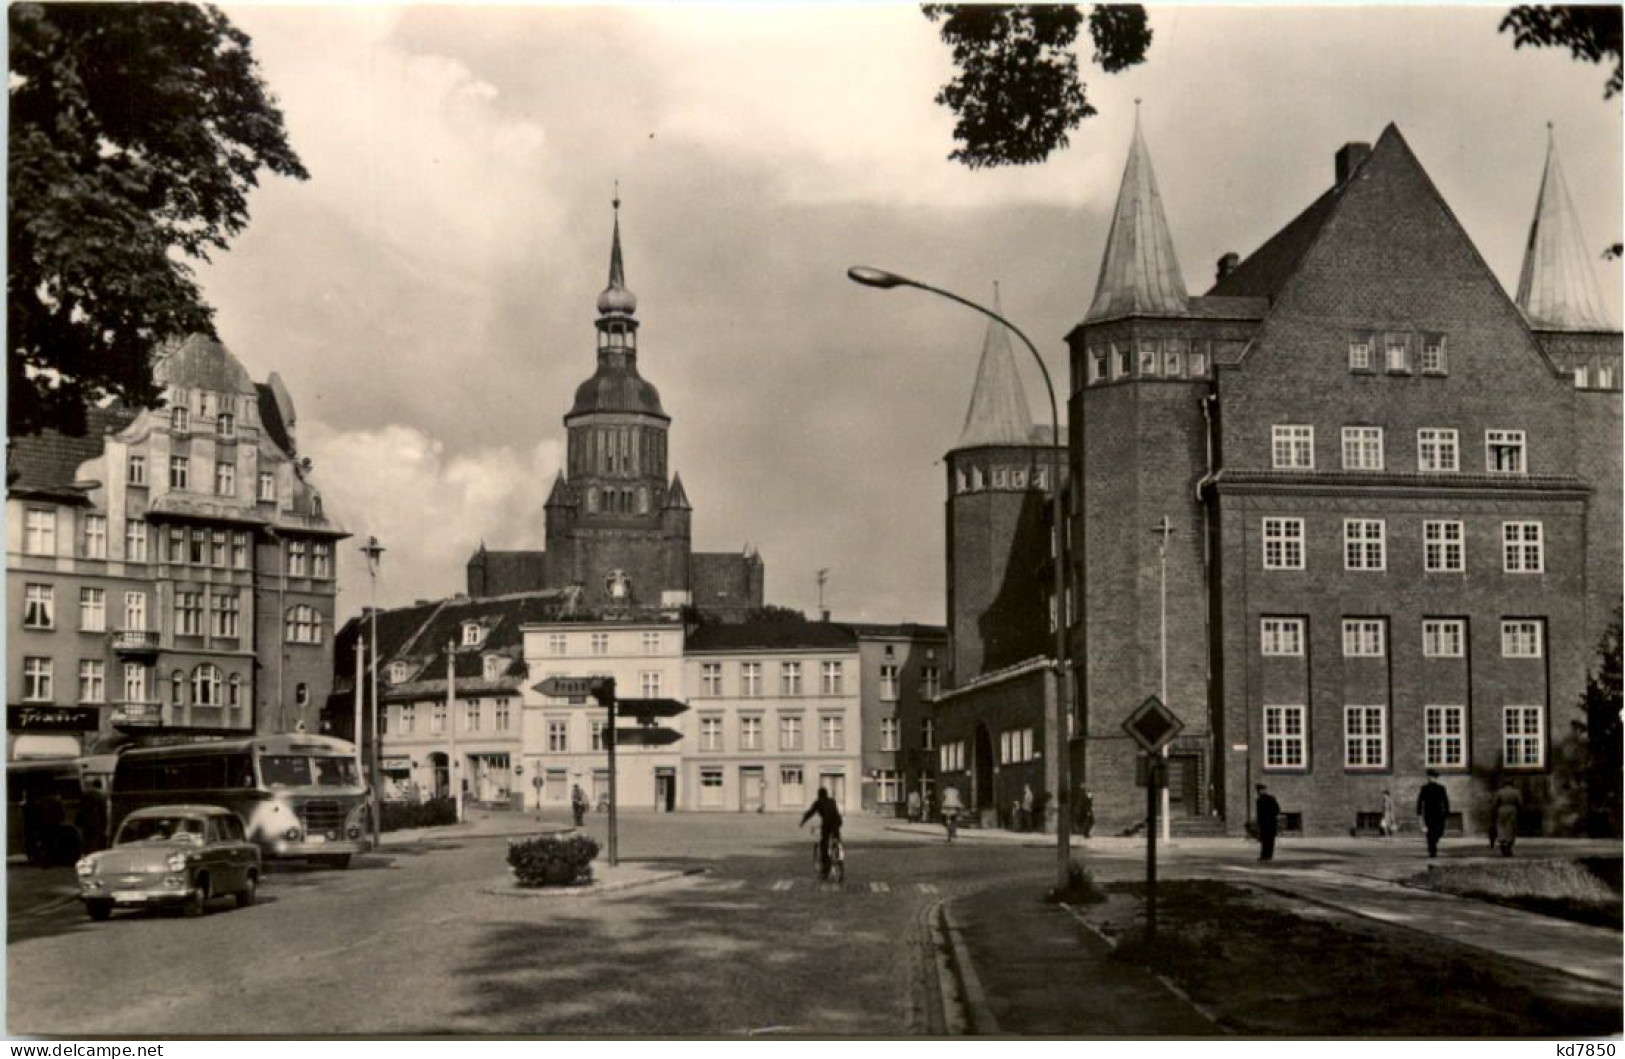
927	888
880	887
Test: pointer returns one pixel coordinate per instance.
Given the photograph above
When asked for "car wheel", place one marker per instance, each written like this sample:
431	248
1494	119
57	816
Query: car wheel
246	895
98	910
197	902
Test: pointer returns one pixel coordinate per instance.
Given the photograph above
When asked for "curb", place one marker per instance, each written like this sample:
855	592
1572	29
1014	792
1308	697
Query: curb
970	835
976	1017
1167	983
595	889
954	1023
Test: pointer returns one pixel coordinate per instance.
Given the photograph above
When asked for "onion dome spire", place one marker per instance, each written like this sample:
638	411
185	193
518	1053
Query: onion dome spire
1138	272
1557	288
616	298
998	413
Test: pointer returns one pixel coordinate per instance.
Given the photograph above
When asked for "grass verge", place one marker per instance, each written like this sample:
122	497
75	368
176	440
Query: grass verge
1562	888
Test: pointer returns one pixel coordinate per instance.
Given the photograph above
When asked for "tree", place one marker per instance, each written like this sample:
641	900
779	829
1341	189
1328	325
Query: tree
137	131
1590	33
1017	94
1598	737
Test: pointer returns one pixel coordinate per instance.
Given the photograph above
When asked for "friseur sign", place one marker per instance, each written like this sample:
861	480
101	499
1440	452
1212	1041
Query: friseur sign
53	718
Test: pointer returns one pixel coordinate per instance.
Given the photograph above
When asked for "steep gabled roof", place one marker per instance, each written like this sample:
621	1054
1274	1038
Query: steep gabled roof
677	496
46	465
1266	270
1557	289
998	412
1139	272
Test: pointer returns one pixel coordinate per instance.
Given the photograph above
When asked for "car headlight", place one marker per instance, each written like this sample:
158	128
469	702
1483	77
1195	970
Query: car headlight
176	862
86	866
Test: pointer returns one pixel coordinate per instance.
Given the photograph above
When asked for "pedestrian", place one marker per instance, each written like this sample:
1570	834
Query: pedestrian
951	808
1086	812
1507	803
1269	820
914	806
1387	824
578	804
1433	806
1026	807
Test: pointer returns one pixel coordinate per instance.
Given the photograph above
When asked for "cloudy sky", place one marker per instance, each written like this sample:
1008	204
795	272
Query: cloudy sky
429	294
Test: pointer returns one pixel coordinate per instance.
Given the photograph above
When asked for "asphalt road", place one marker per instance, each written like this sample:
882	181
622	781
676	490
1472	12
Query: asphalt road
406	942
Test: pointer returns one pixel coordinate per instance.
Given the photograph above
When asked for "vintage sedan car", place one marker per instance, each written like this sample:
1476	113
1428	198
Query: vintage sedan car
171	855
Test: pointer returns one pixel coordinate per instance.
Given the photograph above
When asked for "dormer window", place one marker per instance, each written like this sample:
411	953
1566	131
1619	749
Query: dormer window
473	634
493	667
226	425
180	419
1148	357
316	504
1398	356
1433	355
397	673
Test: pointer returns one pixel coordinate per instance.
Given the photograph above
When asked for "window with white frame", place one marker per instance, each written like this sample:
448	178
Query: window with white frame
1360	352
1015	746
408	717
321	559
267	486
1148	357
750	679
473	634
1198	359
1443	637
225	478
790	679
888	788
1523	548
889	683
397	673
831	732
1362	448
651	643
298	559
1525	736
1521	639
1283	544
39	531
207	683
930	682
1438	451
197	546
928	733
189	614
225	424
304	624
95	536
1444	736
135	541
711	792
1398	351
473	711
220	554
1363	638
1504	451
1121	361
711	678
557	642
491	667
1364	544
92	680
649	683
1365	737
135	611
1444	547
1292	447
952	757
224	613
39	606
1582	376
833	676
888	733
1285	738
791	780
135	469
558	737
711	732
1173	357
1434	361
595	735
36	680
501	712
180	472
790	731
135	682
750	733
1281	636
600	643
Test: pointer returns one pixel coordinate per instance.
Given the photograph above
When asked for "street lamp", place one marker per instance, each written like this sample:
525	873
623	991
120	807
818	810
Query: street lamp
1061	721
374	553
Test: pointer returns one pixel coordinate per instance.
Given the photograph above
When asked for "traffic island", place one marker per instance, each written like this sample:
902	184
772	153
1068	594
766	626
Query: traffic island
605	880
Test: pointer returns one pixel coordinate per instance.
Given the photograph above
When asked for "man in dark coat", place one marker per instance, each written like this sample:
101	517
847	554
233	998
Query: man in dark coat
1433	806
829	820
1269	821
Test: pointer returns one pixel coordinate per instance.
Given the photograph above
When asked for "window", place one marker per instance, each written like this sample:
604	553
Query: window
135	470
1433	356
1001	477
226	425
396	673
1443	637
1523	551
298	559
595	735
1173	357
600	643
95	537
1362	448
930	682
888	733
1365	737
1122	361
711	678
557	643
135	682
39	531
711	788
1363	638
1445	745
750	679
1520	639
473	634
304	624
558	737
928	733
1360	352
1364	547
224	610
198	549
234	691
180	419
472	711
1198	361
1582	376
790	732
1097	366
831	732
1148	356
1503	451
1283	544
135	541
177	688
92	610
267	491
135	611
177	544
219	556
39	607
206	684
790	679
888	788
180	472
888	684
437	718
225	479
1398	352
1443	547
1437	451
321	559
952	757
491	667
1285	743
1292	447
92	680
36	679
239	551
408	718
188	614
1282	636
1525	737
711	733
649	684
501	715
832	678
750	733
651	643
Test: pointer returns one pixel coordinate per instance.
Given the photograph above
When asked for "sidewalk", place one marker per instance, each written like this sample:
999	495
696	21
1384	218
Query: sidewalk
477	823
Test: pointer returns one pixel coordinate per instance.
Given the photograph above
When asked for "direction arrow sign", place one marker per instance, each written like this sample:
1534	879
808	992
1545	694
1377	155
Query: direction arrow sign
648	709
1153	725
646	736
569	687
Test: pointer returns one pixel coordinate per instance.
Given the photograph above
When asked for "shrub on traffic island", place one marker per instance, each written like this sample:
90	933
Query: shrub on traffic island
549	860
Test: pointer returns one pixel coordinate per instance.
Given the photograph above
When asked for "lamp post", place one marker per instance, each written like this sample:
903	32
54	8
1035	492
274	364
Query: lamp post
1061	722
374	553
1163	529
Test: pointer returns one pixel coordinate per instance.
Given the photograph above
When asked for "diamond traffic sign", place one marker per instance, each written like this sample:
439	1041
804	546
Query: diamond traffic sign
1153	725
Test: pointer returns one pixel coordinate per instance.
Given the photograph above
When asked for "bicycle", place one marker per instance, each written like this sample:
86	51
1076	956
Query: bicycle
835	869
950	820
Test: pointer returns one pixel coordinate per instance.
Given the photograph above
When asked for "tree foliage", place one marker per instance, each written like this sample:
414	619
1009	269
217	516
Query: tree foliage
1017	92
1591	33
1599	738
137	132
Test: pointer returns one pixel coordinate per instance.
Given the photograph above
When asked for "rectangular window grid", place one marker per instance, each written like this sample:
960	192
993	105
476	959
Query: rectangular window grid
1443	638
1434	361
1504	451
1292	447
1360	353
1362	448
1364	546
1283	544
1365	737
1437	451
1285	744
1281	636
790	679
1444	547
888	683
711	679
790	733
710	733
1525	737
832	732
1444	730
1521	639
39	606
888	733
1522	549
1363	638
750	679
750	733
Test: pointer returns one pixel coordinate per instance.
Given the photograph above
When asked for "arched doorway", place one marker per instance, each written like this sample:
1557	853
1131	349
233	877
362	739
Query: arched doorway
981	786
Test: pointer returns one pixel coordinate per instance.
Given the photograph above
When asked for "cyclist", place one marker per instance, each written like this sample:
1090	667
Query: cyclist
951	808
829	819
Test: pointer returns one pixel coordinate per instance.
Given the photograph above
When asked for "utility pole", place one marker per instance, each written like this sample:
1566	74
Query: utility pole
1163	529
453	769
360	665
604	692
374	553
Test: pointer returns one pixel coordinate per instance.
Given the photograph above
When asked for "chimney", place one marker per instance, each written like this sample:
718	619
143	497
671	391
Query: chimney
1227	264
1349	157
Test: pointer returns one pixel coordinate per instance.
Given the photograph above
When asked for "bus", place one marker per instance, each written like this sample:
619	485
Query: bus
299	796
56	808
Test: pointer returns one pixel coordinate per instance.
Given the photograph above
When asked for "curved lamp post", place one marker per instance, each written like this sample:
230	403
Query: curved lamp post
1061	722
374	553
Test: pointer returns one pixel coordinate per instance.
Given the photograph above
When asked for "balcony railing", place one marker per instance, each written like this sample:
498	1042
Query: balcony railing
139	714
134	641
